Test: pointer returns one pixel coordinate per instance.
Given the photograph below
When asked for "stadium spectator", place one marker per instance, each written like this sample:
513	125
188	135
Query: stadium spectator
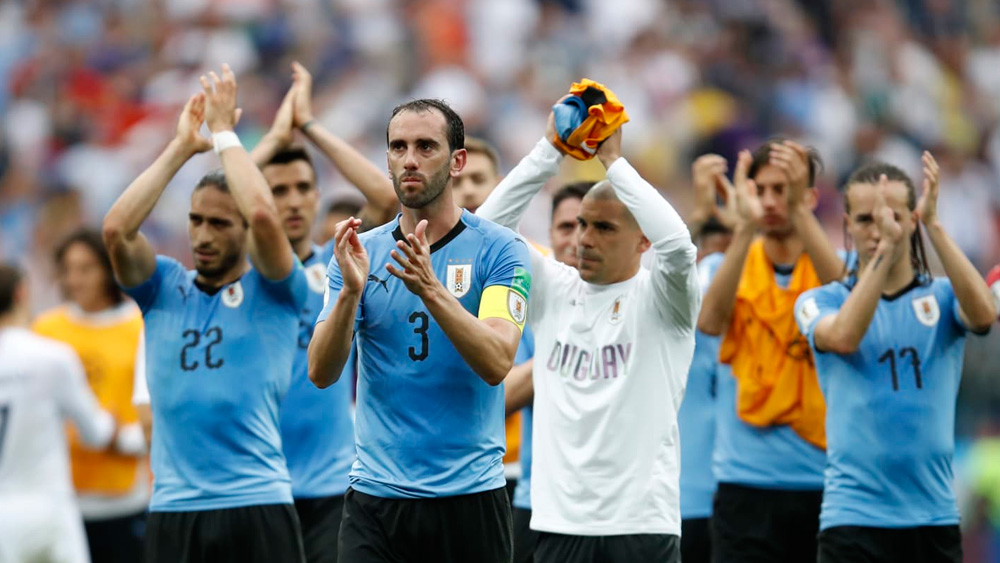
618	340
103	328
889	344
41	383
443	322
769	449
221	344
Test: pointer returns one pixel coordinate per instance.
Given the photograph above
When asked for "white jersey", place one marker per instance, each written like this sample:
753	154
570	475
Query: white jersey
42	383
611	363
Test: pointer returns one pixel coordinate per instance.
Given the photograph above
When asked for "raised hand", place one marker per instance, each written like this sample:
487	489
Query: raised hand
189	125
747	206
792	159
282	127
415	259
927	206
302	101
709	174
351	255
610	149
221	113
890	231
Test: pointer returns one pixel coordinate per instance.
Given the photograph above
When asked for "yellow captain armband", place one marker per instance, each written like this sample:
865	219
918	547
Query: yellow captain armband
510	303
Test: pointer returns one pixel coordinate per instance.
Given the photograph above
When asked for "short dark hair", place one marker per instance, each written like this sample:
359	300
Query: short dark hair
575	190
762	157
475	145
93	241
454	127
712	227
215	179
10	279
344	206
291	154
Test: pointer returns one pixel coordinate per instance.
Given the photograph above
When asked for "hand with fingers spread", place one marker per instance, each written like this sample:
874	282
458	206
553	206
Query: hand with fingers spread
221	113
709	175
351	255
415	260
793	160
302	102
189	126
927	206
746	203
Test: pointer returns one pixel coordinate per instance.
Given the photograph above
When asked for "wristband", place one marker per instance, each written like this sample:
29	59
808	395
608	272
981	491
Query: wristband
225	140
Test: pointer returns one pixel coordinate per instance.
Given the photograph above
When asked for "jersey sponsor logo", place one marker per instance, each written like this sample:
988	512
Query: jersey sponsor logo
927	310
383	283
316	276
459	279
517	306
616	312
808	312
232	296
605	362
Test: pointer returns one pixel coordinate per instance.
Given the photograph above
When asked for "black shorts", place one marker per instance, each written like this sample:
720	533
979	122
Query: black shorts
254	534
651	548
925	544
116	540
525	539
696	540
320	522
457	529
751	525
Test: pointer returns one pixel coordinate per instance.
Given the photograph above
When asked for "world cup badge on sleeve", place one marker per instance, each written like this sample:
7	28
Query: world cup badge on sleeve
517	306
459	279
927	310
232	296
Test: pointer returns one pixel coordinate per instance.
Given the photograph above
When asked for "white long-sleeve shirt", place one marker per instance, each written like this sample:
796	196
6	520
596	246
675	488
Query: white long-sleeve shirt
611	363
42	383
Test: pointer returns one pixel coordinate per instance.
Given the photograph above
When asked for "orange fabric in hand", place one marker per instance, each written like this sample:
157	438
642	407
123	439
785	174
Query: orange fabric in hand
775	376
602	120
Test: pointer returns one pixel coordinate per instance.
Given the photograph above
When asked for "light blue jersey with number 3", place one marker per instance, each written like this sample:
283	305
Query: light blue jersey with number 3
218	366
426	424
890	421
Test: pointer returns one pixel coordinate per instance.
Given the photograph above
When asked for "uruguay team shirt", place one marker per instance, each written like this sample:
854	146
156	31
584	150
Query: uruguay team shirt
890	420
427	425
317	425
522	492
696	418
218	366
773	457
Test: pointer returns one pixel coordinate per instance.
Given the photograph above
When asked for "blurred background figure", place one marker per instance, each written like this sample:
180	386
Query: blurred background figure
103	327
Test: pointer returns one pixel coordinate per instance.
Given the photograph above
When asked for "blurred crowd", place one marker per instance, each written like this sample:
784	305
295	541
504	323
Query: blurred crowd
91	89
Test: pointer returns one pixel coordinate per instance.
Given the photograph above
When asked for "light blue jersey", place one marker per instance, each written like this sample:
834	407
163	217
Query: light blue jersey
427	425
218	366
522	492
317	425
775	457
890	420
696	418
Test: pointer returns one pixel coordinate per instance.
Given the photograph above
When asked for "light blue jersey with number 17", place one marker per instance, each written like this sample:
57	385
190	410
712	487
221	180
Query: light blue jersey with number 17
890	421
426	424
218	365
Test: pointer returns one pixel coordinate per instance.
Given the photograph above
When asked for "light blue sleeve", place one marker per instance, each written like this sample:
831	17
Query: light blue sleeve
814	305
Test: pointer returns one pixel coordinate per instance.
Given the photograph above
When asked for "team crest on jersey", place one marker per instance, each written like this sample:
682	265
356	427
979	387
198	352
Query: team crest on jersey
459	279
517	306
232	296
927	310
616	312
316	275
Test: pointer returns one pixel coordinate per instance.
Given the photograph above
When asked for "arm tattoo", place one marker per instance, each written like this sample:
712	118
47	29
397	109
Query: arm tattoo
877	262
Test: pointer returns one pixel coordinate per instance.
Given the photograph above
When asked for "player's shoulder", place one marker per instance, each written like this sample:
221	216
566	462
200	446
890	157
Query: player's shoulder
51	319
489	230
38	350
708	265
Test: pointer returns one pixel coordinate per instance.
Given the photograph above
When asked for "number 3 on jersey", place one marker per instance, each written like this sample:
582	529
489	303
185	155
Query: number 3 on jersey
420	320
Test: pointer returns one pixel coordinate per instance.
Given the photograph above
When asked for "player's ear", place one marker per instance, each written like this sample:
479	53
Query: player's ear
458	160
644	244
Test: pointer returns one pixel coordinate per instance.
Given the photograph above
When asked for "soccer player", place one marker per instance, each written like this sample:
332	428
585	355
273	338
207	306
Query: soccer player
42	383
769	445
317	426
613	342
889	345
437	319
696	418
103	329
221	343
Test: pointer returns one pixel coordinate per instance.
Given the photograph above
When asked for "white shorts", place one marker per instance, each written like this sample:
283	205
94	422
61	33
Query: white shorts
41	529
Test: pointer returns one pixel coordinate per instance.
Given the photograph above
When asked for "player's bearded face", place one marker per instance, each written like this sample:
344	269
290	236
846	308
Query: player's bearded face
218	233
421	197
